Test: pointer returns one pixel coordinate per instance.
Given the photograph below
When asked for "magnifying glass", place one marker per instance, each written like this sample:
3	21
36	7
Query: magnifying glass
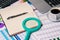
31	30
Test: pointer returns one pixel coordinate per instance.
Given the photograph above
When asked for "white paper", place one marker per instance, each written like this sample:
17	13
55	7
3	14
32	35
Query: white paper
49	30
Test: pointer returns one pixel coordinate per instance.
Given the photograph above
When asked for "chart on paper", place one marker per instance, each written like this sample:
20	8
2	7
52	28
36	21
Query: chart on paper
49	31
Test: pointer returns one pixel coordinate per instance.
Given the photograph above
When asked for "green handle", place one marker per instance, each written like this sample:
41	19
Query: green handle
27	35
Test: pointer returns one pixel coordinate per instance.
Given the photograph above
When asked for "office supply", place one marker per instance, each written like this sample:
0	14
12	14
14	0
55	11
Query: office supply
44	6
6	3
29	31
53	3
15	22
41	5
1	25
16	15
49	31
17	37
5	35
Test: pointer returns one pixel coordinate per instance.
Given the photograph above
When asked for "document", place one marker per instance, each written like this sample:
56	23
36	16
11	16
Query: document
15	14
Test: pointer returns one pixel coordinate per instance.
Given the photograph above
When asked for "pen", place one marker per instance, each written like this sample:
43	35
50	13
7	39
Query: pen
16	15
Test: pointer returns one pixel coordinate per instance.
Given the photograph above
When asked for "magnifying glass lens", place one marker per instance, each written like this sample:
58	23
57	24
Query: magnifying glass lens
32	29
31	24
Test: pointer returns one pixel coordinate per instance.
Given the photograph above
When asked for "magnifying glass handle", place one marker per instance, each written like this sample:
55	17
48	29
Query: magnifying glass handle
27	35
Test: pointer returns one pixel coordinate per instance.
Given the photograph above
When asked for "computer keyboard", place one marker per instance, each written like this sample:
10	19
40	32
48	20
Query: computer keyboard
5	3
53	3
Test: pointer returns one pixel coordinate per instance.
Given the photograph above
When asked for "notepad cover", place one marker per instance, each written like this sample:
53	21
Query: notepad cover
14	25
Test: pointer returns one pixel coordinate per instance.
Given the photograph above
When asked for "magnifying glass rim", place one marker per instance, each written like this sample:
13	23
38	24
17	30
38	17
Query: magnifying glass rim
31	29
